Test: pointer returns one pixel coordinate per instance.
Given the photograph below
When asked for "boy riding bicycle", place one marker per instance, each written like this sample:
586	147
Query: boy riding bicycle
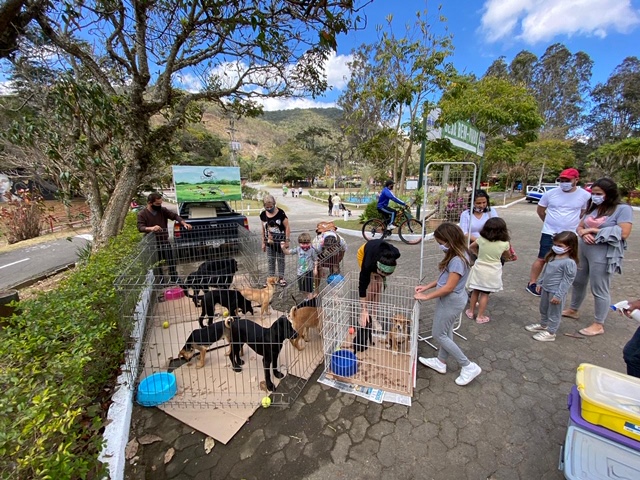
383	203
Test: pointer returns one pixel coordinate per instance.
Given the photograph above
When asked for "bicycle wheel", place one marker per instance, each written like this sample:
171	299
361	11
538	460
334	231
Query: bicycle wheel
374	229
410	231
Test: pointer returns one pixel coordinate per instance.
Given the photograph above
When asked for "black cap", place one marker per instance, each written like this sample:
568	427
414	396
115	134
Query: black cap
389	183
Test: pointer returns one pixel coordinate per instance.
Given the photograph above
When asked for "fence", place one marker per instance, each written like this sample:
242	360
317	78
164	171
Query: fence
162	321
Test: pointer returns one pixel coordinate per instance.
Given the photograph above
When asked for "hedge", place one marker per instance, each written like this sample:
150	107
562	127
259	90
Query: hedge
56	357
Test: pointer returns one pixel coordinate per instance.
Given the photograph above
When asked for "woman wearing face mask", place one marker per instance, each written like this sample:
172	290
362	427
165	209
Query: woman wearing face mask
275	229
473	219
603	232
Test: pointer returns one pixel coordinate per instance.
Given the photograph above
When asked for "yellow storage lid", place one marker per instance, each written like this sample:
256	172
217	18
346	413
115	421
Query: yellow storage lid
613	391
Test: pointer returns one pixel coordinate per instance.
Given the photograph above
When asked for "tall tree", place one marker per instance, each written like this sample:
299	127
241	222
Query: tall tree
402	74
498	68
521	68
616	105
561	84
241	50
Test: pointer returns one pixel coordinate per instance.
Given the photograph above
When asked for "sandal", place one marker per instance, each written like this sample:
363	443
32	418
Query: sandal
575	316
469	313
482	319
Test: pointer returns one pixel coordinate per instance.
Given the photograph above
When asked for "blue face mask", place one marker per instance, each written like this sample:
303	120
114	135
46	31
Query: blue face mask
597	199
444	248
270	209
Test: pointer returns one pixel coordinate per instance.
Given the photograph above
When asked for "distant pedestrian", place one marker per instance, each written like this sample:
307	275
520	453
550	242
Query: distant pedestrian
330	204
451	297
491	246
557	275
284	190
299	191
335	208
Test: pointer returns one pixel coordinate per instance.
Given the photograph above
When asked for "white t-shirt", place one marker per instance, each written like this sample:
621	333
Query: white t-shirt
563	209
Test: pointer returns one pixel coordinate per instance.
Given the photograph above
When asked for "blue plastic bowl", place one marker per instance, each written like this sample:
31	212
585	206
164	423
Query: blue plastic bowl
334	278
156	389
344	363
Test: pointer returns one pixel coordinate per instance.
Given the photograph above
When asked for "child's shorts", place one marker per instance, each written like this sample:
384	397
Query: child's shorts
305	282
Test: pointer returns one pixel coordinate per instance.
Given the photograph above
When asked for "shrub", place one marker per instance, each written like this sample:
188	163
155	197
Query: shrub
23	215
56	357
370	211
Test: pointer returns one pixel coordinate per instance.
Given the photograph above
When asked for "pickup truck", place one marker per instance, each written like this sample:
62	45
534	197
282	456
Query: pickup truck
215	229
535	192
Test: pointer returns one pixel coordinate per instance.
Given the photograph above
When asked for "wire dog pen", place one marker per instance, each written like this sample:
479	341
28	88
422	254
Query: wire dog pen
388	362
161	320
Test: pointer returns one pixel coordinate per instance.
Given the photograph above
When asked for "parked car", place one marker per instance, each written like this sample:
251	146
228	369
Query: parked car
214	229
535	192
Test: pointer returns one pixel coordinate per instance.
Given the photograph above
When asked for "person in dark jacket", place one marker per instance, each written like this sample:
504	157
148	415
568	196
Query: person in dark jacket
377	260
383	203
154	219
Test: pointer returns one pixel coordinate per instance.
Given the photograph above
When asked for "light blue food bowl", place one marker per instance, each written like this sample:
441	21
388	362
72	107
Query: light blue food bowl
156	389
344	363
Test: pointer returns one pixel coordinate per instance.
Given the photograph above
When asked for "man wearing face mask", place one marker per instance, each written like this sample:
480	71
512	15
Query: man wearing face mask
154	219
560	209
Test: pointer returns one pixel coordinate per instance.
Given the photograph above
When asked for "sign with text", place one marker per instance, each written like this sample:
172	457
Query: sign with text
206	183
461	134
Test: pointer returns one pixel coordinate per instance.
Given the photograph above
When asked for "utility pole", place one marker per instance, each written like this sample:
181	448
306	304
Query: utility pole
233	145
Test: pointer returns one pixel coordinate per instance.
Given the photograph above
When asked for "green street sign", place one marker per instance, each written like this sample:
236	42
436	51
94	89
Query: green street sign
461	134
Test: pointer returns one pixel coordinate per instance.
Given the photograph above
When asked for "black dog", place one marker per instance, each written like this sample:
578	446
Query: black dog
232	300
201	338
364	337
264	341
212	273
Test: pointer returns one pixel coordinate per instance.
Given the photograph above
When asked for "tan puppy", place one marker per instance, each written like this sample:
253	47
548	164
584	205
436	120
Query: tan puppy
398	336
262	296
304	316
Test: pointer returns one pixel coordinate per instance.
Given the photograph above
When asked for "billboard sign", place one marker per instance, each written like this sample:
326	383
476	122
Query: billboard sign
194	184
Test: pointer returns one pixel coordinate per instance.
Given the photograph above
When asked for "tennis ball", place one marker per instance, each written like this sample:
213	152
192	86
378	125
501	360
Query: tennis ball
266	402
165	324
352	330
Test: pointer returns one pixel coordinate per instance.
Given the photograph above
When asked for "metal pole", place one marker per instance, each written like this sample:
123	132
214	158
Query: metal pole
423	149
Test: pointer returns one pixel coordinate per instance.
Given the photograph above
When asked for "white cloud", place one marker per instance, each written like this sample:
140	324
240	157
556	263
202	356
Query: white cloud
337	70
271	104
534	21
6	87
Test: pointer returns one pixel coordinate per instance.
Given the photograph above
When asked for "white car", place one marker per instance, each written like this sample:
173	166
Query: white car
535	192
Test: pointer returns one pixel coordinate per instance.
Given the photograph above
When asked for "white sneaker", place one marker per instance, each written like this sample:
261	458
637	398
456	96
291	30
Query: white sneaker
433	363
545	336
535	327
468	373
391	226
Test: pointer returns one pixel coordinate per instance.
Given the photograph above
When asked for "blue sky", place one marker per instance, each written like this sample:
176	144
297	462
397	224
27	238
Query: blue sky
607	30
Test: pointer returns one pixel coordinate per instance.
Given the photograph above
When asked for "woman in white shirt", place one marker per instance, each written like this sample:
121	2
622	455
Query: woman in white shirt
472	220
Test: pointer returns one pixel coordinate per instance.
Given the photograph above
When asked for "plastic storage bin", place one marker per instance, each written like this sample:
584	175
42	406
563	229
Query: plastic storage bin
610	399
575	420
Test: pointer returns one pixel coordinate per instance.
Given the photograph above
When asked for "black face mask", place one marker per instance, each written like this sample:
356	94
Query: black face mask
157	208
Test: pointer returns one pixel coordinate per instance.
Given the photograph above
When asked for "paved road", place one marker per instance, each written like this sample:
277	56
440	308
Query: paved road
508	424
24	264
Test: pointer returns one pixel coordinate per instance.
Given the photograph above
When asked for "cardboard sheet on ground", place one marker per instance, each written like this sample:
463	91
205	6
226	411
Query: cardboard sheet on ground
214	399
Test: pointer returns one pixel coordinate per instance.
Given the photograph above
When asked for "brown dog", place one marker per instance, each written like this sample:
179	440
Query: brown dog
304	316
262	296
201	338
398	336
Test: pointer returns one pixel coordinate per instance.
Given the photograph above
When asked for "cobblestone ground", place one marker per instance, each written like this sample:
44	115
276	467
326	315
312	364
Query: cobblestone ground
507	424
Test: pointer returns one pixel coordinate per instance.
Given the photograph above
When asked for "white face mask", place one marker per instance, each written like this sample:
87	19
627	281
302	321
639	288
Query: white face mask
597	199
444	248
559	250
566	186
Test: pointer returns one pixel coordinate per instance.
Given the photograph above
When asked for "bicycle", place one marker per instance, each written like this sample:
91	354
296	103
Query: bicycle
409	229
